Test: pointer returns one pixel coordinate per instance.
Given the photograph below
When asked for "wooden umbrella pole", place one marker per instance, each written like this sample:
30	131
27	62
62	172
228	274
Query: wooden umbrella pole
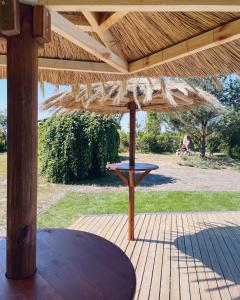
131	184
132	133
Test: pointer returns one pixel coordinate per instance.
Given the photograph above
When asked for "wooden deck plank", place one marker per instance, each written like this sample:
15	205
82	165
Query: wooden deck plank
214	262
223	261
157	270
166	267
133	249
206	277
194	282
177	256
121	240
233	271
175	278
184	281
147	275
116	228
98	227
107	229
134	255
91	222
140	268
228	234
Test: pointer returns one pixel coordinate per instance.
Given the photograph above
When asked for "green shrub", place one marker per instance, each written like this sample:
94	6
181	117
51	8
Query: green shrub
76	147
124	141
164	142
169	142
147	142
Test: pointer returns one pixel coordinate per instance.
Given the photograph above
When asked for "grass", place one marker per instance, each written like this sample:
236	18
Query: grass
72	205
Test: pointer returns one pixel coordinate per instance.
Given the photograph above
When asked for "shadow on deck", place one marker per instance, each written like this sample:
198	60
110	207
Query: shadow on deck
178	255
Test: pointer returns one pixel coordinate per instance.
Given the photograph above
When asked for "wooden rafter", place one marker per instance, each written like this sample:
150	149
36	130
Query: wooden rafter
69	65
207	40
139	5
105	36
113	19
79	20
77	36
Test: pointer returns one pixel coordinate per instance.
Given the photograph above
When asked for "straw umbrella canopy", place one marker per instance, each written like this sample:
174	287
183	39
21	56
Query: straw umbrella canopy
136	94
149	94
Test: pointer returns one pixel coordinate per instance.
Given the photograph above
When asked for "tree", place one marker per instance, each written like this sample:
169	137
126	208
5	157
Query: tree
199	123
226	90
153	123
228	132
3	131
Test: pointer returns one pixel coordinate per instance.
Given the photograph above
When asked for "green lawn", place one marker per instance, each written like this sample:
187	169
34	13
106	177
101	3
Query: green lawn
67	210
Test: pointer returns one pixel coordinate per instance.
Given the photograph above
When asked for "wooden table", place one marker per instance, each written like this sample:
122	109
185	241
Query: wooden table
72	265
131	181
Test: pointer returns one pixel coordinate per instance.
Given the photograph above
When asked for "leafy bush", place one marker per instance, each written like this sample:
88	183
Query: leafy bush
147	142
169	142
228	130
124	141
164	142
76	147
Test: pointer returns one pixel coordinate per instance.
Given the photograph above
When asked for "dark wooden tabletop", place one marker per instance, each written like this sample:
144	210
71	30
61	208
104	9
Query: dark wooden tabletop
72	265
126	167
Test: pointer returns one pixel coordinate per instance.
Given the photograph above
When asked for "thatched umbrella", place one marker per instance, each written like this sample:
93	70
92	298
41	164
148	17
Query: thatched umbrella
136	94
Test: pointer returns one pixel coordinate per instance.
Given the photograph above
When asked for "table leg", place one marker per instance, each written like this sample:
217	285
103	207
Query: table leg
131	206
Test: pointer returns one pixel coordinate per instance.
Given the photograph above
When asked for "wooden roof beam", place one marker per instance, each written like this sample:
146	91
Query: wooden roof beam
77	36
105	36
113	19
139	5
78	20
69	65
204	41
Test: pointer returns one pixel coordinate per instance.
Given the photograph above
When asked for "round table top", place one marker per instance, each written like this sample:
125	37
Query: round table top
126	167
72	265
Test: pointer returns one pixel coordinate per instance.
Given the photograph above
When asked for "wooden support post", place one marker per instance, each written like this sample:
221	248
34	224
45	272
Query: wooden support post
22	82
132	111
131	206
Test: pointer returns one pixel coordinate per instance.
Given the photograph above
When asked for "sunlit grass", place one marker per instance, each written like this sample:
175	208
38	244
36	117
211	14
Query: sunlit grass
72	205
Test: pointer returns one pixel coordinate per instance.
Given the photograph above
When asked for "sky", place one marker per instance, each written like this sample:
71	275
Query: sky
50	90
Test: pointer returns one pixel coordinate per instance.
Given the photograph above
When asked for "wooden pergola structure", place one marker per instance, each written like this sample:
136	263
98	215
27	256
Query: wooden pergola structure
94	41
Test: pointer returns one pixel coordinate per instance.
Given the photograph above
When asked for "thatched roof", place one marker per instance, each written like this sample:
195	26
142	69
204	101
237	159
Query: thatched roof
138	35
113	97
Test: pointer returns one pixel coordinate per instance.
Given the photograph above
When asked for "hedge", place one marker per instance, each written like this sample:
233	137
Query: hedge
77	147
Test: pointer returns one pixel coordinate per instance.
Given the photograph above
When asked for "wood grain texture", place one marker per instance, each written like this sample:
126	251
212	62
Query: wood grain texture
72	265
9	18
22	149
132	134
131	182
178	255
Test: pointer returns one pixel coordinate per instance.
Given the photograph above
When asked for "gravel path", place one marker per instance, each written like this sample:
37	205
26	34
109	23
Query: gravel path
170	177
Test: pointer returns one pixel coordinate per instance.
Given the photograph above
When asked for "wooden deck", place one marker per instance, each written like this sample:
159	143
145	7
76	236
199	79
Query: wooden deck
177	256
